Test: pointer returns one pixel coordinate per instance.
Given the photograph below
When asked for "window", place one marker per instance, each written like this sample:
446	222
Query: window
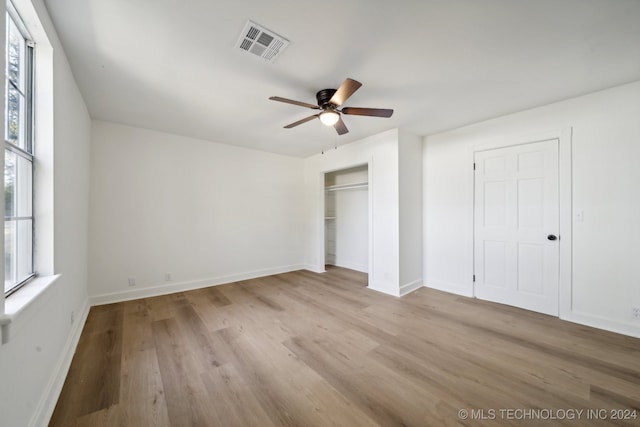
18	151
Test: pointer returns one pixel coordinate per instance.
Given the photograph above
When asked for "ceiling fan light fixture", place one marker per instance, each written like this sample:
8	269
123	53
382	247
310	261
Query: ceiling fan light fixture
329	118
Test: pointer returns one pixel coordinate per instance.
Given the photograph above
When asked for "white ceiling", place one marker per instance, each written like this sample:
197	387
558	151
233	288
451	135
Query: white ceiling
172	65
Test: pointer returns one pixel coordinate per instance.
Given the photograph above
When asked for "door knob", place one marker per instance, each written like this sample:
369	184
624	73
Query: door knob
552	237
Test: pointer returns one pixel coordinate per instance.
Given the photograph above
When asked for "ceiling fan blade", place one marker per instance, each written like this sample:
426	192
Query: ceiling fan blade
299	122
341	128
291	101
346	89
374	112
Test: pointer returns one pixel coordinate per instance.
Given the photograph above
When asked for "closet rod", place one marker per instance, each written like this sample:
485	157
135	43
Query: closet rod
347	186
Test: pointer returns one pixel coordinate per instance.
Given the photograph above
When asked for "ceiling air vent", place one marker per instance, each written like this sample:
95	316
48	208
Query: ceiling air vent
261	42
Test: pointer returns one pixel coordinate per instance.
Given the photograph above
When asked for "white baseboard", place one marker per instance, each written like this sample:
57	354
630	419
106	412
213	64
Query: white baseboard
387	288
394	290
164	289
407	288
49	398
452	288
598	322
314	268
384	291
363	268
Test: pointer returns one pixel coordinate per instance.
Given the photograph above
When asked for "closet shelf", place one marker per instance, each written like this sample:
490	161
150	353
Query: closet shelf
353	186
329	217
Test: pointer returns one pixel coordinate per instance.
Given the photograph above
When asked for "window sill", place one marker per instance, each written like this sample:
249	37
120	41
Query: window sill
17	306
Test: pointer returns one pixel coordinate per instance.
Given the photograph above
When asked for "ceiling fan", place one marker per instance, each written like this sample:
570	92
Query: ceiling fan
330	102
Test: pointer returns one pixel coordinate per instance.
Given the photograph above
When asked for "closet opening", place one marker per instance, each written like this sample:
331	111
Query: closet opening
346	218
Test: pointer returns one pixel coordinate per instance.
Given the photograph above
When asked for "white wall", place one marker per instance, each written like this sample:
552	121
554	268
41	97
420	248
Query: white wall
410	210
605	154
380	152
33	363
395	207
207	213
3	28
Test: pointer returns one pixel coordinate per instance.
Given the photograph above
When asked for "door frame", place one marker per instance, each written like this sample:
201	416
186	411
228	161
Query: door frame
321	204
564	137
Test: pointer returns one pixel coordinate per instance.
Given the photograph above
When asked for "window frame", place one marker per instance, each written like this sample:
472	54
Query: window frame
26	151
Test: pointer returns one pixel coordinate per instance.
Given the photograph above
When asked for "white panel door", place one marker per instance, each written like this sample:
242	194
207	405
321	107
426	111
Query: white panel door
516	216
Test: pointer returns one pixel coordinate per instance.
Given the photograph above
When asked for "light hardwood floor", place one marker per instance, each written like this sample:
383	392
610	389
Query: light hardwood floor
306	349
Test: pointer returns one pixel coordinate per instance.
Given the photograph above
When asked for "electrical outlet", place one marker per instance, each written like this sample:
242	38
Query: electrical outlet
132	281
73	317
167	277
635	313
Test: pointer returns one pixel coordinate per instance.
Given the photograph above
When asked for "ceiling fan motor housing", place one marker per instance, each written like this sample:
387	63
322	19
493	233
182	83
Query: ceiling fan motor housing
324	96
